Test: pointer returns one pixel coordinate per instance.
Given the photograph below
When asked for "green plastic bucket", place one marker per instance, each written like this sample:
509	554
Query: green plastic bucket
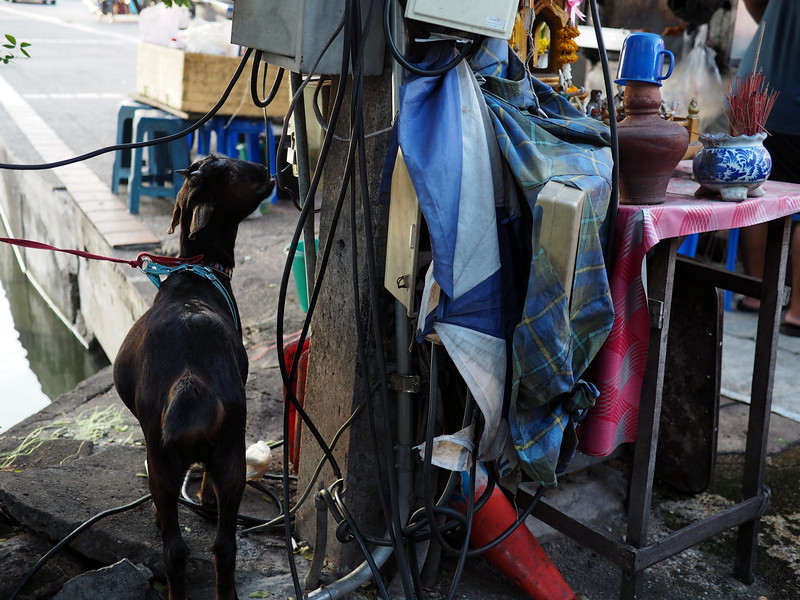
299	272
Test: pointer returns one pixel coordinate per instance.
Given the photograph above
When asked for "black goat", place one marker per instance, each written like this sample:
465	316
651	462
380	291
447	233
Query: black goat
181	369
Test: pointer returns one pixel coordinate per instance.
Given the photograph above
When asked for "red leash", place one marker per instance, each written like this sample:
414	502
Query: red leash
144	257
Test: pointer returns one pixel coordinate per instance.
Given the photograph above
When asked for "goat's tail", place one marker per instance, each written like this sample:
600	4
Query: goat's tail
193	414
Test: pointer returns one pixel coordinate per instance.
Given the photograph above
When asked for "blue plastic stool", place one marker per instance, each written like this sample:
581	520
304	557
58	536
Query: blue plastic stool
248	132
122	158
689	248
730	262
689	245
241	139
159	178
216	126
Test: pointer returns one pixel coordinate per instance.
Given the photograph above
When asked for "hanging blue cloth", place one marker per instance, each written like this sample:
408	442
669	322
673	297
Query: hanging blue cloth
543	138
450	150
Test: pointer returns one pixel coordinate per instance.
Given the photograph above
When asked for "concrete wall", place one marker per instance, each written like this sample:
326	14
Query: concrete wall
99	300
336	383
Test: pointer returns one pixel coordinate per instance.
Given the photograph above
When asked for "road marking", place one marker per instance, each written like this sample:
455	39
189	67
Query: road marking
74	42
56	21
73	96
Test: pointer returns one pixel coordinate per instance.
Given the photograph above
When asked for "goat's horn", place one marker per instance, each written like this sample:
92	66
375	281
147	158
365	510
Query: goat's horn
184	172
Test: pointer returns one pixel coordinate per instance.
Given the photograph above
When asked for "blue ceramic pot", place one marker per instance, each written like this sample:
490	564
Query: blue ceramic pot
733	167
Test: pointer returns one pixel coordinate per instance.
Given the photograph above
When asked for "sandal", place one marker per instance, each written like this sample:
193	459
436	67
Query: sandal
790	329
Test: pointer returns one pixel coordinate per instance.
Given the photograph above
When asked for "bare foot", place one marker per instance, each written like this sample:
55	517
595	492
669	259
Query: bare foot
748	304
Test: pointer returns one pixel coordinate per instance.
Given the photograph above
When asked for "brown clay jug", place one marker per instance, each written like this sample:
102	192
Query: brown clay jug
649	147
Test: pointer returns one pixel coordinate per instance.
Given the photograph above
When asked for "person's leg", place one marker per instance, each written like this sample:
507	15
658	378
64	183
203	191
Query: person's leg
785	153
791	319
752	249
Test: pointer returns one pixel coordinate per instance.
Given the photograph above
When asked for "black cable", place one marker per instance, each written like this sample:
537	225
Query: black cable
211	512
254	79
279	170
611	214
77	531
470	513
404	62
314	476
396	527
307	206
133	145
357	135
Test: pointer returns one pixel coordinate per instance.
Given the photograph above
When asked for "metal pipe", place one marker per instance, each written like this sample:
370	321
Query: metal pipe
353	580
304	181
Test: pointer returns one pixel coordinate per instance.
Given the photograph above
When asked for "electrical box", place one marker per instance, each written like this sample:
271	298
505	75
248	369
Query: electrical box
492	18
402	239
293	33
562	211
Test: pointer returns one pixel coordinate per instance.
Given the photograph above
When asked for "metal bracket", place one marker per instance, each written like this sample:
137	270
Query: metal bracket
404	383
656	308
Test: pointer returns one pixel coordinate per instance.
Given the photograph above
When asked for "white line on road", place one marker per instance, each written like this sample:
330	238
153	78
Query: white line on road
27	15
73	96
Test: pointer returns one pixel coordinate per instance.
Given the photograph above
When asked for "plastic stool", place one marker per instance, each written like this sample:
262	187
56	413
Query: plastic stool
250	148
122	158
216	126
163	159
251	130
689	245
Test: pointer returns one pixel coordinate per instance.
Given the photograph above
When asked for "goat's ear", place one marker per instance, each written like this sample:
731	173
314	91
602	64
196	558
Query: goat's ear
176	215
201	215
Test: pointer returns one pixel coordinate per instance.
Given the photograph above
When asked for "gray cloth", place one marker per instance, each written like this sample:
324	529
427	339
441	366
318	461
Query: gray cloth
779	60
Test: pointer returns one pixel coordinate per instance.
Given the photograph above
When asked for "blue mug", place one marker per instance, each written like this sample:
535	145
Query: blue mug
642	59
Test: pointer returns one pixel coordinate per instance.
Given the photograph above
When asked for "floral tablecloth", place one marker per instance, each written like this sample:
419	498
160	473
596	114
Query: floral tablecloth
618	370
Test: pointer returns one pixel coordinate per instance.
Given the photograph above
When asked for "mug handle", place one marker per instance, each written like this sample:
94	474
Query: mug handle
671	63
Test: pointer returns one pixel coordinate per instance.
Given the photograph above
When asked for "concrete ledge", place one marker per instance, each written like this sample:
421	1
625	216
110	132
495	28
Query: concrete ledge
98	300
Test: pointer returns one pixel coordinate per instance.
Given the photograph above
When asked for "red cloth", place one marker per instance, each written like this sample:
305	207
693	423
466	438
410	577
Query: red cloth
619	367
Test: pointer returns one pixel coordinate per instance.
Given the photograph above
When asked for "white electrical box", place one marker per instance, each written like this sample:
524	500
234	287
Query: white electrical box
402	239
292	33
492	18
562	211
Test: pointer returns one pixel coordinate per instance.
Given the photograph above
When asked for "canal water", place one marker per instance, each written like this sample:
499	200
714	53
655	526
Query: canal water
40	358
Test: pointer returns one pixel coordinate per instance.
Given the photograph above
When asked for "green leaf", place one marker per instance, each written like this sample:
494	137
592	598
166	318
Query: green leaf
11	39
25	52
259	595
24	45
9	46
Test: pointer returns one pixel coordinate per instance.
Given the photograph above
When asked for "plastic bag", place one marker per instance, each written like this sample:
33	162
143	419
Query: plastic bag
208	37
160	25
696	76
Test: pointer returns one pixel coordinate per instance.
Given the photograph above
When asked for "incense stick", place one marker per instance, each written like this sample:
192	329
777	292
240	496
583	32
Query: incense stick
750	100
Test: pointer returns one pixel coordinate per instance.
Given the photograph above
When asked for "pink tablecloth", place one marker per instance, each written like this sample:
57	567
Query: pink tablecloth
619	368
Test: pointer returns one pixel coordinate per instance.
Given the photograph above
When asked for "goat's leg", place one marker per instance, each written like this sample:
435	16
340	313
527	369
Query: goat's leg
229	480
207	494
165	483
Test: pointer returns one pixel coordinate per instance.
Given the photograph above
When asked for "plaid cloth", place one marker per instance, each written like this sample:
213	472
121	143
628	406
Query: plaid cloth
543	138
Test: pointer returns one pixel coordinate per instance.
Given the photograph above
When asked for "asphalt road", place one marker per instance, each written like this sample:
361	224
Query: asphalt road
80	69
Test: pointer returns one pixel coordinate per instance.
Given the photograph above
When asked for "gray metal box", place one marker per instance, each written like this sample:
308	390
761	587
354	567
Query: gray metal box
292	33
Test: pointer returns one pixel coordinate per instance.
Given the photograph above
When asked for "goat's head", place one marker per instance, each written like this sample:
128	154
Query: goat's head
218	193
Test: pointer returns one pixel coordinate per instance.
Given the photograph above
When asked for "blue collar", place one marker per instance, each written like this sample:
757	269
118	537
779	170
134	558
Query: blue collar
155	272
